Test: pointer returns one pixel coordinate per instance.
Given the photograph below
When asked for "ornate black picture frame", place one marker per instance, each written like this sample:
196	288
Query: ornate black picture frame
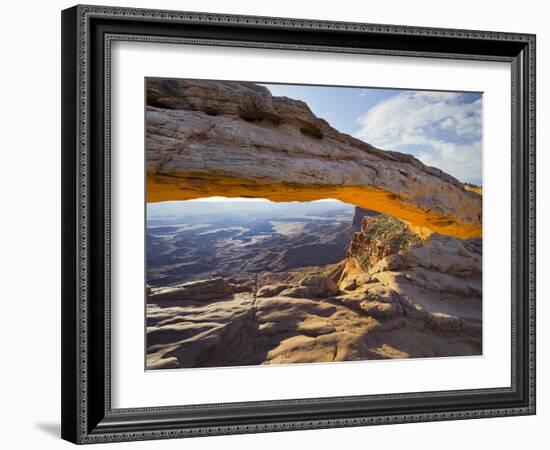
87	34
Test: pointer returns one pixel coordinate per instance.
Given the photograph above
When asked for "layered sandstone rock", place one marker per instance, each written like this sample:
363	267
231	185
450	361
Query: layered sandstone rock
208	138
435	285
199	290
378	237
423	300
186	333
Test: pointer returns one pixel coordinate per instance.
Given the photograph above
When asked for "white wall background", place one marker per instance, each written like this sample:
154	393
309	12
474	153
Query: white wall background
30	229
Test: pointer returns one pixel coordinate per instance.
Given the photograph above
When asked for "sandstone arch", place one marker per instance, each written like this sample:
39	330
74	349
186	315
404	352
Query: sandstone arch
208	138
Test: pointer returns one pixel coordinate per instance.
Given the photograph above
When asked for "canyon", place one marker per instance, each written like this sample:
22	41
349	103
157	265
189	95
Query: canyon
392	296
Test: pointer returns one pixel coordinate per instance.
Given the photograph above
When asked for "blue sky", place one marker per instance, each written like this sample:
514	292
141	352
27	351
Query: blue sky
442	129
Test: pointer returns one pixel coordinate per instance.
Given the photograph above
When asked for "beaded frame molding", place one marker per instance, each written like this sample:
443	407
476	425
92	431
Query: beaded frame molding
87	35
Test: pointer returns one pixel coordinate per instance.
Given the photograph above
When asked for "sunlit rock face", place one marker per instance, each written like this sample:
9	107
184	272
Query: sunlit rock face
378	237
395	295
207	138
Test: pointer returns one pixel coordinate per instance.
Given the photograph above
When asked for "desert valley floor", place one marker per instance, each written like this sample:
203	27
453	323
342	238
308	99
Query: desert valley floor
245	283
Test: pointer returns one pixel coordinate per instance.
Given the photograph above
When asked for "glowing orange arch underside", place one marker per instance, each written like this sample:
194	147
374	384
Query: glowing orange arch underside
159	190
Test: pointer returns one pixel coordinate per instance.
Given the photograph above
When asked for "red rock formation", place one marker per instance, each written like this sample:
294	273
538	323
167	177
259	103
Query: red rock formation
379	237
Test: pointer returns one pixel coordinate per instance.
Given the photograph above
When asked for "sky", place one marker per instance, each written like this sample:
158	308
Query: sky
189	210
441	129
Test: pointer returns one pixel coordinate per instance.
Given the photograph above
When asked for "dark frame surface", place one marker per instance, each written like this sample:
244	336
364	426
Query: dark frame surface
87	34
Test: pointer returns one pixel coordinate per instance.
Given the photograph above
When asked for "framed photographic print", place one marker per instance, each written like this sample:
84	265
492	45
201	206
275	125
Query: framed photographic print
280	224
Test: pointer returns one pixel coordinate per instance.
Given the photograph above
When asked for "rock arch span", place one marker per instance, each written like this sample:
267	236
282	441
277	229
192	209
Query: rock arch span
235	139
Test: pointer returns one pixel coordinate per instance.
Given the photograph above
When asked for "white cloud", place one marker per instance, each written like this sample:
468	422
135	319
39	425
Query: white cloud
441	129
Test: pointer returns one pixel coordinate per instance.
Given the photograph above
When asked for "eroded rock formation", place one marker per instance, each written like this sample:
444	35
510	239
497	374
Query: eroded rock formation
395	296
410	285
207	138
